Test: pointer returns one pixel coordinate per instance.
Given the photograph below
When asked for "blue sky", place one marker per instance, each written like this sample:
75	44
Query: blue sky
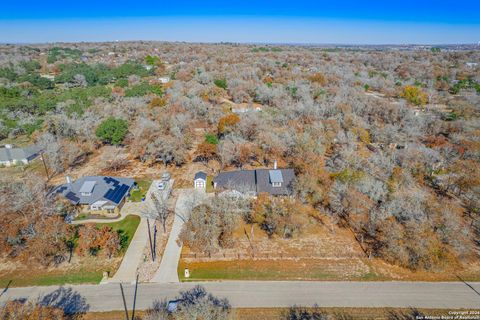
356	22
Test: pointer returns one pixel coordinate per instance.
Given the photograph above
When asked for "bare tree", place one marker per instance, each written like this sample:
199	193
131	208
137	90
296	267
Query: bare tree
161	210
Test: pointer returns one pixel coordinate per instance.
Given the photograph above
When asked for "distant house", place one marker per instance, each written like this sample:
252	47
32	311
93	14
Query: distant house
246	107
164	80
200	180
278	182
12	156
97	194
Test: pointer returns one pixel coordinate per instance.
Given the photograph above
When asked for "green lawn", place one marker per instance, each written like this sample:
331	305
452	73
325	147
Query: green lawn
302	269
23	278
126	227
143	185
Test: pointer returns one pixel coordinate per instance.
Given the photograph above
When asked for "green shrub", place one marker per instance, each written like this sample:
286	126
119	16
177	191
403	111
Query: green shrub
112	130
122	83
221	83
142	89
211	138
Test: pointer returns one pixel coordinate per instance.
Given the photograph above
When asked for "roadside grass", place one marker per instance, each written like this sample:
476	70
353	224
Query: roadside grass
280	313
23	278
343	313
275	269
143	185
312	269
126	228
209	188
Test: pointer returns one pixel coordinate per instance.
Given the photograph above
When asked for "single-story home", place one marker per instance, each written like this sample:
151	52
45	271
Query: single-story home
278	182
10	155
97	194
200	180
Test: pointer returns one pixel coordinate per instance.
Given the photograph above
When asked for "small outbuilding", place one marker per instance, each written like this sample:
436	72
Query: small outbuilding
200	180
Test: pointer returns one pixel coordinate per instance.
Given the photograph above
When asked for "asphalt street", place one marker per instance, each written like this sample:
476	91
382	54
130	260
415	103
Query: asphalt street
251	294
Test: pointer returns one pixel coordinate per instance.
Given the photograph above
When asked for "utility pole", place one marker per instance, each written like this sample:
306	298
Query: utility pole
135	298
124	302
150	238
44	165
154	242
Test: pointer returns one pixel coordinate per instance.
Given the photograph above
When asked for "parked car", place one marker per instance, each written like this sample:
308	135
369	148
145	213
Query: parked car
165	176
161	185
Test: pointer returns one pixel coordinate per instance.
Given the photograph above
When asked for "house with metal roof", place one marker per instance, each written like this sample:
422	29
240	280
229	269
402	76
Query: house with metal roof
9	155
97	194
278	182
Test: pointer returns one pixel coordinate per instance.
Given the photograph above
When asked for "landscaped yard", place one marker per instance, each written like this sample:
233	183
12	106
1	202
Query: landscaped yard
138	194
83	270
126	227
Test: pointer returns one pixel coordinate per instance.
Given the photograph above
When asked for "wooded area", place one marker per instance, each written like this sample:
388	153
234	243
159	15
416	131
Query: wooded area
385	143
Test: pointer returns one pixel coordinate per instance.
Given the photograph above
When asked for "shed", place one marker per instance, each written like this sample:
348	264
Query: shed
200	180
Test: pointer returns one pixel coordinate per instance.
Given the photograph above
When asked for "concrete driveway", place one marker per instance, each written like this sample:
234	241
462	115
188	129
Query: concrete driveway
187	199
127	271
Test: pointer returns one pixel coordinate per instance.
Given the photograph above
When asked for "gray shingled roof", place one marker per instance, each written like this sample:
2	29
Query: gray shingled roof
264	184
109	189
256	181
243	180
18	154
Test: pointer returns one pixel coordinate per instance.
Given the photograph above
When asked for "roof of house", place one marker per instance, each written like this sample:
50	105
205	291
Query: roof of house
265	185
242	180
259	180
111	190
200	175
18	154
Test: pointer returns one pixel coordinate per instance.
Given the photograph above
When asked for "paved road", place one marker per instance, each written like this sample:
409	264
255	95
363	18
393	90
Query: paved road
253	294
167	272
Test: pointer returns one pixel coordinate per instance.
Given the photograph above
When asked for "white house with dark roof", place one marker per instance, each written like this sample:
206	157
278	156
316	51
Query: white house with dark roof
9	155
277	182
97	194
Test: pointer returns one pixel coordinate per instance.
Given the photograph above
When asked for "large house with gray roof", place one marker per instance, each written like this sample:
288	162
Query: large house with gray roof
97	194
10	155
277	182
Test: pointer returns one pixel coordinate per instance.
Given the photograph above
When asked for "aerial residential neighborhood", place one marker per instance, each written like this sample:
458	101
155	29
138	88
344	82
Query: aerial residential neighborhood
209	161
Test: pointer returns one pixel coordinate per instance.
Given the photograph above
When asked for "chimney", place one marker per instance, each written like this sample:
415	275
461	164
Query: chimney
69	180
275	165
